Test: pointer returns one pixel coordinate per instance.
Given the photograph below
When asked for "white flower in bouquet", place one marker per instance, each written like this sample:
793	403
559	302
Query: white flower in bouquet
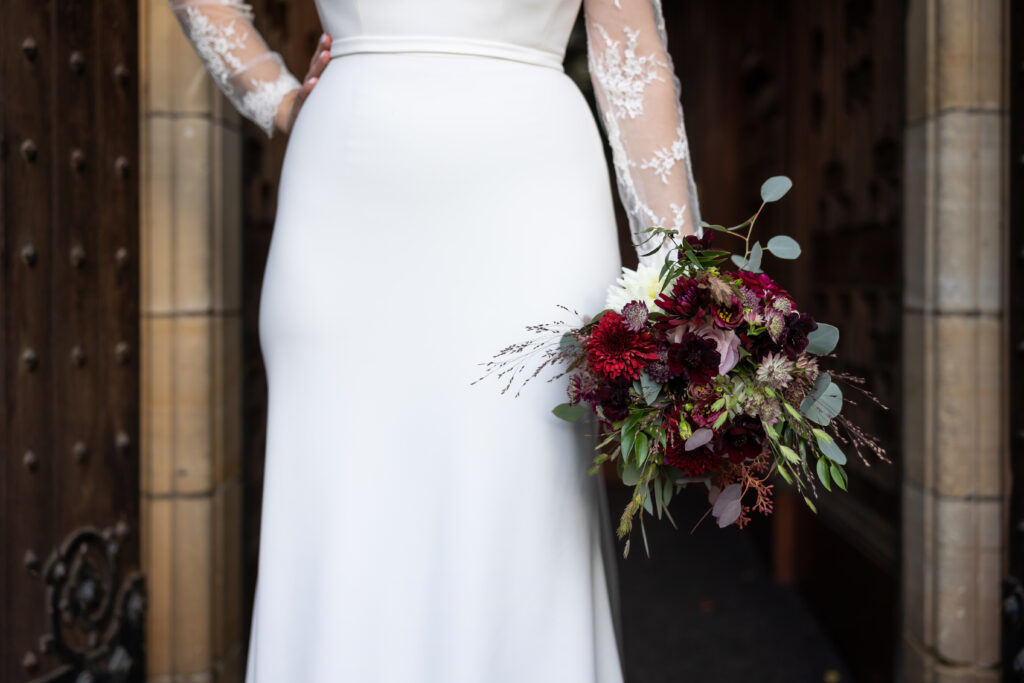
642	284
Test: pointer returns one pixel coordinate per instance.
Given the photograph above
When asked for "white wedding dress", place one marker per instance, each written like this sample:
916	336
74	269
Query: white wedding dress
444	186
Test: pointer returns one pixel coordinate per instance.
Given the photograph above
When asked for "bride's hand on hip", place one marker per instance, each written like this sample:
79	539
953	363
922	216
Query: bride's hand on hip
292	102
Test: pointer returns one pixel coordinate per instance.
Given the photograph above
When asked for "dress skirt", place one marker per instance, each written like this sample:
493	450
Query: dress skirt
416	527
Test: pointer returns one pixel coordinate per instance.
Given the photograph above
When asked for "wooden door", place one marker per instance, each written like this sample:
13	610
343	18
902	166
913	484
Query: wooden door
71	599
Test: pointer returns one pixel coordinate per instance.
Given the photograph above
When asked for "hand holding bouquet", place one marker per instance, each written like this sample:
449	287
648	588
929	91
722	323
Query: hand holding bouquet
703	373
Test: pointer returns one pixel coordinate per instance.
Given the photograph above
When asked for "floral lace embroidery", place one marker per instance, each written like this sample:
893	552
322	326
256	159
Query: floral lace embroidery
265	97
644	155
215	45
624	75
665	158
253	77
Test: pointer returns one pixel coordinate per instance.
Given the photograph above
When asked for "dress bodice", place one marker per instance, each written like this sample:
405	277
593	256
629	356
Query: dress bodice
541	25
635	85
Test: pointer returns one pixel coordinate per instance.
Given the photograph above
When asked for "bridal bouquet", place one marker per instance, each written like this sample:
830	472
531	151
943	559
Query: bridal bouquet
702	372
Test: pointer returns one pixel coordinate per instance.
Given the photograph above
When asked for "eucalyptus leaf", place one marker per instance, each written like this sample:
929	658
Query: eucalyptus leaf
730	494
823	339
650	389
783	246
698	439
824	402
831	450
659	497
754	262
775	188
569	343
713	493
630	474
648	506
570	413
730	513
740	262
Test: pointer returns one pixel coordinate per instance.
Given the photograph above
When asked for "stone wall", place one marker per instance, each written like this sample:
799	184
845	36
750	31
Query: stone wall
191	361
955	483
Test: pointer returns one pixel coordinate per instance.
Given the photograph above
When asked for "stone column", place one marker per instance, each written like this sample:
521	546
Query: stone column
191	361
955	444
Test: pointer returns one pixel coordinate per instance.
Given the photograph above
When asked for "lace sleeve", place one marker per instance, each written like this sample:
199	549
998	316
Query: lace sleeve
252	76
637	93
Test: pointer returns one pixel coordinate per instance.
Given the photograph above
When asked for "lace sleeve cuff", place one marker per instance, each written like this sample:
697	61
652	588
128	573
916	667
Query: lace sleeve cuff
252	76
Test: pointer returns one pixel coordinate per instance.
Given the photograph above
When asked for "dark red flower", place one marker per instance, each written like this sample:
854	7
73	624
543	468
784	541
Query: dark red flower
740	439
612	397
694	358
759	283
794	336
614	351
758	345
728	316
693	463
700	243
687	301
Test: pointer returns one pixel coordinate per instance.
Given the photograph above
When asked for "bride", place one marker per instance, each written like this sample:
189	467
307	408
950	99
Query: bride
444	186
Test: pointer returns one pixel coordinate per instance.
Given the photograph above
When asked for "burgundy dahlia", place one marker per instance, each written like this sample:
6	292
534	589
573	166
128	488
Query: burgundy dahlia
740	439
695	463
687	301
700	243
758	345
614	351
794	336
695	358
613	399
760	284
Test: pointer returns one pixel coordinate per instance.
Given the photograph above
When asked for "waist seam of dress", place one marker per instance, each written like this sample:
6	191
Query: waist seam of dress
446	45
